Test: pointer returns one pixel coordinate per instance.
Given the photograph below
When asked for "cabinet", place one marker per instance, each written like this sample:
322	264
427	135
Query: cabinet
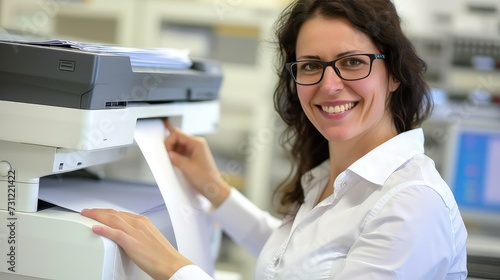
459	40
95	21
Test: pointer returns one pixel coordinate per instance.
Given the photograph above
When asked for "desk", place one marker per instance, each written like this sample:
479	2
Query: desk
483	258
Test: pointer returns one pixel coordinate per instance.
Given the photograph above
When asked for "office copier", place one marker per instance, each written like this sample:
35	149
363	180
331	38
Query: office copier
65	109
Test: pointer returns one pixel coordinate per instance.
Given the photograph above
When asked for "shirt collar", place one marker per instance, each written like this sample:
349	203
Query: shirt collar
378	164
389	156
313	176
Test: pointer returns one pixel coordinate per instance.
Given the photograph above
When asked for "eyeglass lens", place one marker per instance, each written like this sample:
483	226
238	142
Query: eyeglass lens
353	67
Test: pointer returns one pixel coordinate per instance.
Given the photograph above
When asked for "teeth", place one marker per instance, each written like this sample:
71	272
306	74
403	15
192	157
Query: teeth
337	109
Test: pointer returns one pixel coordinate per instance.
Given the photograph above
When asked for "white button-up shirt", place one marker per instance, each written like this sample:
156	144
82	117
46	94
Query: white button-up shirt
391	216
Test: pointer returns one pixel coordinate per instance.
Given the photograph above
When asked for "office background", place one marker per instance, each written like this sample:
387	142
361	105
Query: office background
459	39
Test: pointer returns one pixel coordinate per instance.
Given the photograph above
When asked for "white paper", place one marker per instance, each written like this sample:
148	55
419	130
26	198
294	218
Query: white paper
164	58
192	227
76	194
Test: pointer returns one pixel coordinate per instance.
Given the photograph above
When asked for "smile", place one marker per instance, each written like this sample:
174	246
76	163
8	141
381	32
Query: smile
338	109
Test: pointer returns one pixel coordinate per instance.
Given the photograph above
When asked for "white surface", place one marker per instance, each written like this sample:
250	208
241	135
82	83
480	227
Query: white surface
77	194
227	275
86	130
191	226
59	244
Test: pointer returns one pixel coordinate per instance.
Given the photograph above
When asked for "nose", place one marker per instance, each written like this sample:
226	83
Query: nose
331	81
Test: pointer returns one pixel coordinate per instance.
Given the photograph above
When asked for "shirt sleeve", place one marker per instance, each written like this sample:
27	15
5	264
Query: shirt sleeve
410	236
244	222
190	272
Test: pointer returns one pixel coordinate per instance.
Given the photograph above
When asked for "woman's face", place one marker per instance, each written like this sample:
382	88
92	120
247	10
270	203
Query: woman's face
344	110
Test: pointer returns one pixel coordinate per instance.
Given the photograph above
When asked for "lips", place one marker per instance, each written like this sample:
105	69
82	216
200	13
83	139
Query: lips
338	109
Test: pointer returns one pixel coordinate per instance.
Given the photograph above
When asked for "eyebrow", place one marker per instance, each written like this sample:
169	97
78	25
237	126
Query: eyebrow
316	57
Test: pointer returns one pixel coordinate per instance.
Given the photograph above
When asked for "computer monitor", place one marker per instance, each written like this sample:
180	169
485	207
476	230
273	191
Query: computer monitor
463	139
474	175
472	169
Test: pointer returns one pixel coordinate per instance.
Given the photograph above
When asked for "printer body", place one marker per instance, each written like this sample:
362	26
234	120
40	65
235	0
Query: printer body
64	110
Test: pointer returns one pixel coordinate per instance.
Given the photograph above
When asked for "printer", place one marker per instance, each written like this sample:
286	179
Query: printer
66	109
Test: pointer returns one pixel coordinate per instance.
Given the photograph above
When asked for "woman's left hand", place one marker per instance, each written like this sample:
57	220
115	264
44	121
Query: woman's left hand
140	239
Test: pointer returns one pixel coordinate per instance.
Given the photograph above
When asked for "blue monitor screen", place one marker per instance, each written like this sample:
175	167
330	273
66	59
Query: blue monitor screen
476	176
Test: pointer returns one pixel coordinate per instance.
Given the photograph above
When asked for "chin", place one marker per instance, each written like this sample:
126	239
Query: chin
337	135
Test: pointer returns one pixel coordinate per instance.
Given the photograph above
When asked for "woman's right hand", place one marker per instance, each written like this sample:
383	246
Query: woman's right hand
193	157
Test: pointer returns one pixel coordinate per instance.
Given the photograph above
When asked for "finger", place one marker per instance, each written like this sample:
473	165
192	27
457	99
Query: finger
177	141
174	138
109	217
179	160
121	238
169	126
97	212
131	215
138	221
123	227
144	224
115	218
180	142
114	228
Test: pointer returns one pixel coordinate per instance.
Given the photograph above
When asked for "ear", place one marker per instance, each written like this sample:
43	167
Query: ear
393	84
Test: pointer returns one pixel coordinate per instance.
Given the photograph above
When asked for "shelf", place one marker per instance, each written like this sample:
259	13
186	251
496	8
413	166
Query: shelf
94	21
465	80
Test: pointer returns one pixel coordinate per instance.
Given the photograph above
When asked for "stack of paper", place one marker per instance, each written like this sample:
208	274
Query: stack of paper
157	58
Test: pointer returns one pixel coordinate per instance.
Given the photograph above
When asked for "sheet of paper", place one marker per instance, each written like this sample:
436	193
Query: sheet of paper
76	194
192	227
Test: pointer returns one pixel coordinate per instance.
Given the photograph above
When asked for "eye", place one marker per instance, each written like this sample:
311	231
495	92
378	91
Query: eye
354	62
351	62
310	66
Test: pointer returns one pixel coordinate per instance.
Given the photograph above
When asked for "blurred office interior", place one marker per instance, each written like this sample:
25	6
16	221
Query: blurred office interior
459	39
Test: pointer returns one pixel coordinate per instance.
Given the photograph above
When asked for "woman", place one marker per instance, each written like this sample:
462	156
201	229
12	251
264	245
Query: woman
364	201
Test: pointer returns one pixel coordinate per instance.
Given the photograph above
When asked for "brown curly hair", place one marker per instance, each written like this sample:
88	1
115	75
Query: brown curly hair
410	104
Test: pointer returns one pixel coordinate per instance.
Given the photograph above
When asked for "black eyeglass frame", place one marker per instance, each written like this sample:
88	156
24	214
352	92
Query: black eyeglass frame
325	64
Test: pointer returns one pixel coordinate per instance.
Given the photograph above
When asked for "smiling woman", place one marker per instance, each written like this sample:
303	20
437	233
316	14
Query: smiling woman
363	201
356	78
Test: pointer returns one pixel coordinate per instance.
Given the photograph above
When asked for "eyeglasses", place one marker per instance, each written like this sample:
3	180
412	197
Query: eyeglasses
349	68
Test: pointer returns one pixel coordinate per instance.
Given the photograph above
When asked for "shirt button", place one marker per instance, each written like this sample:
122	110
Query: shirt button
276	262
344	184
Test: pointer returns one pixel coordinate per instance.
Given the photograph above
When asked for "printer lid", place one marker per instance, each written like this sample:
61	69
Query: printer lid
86	76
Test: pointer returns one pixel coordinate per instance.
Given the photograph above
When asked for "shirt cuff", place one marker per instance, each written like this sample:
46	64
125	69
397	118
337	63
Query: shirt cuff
190	272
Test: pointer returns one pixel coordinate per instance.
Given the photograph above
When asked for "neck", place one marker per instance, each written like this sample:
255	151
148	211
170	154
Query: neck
345	153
